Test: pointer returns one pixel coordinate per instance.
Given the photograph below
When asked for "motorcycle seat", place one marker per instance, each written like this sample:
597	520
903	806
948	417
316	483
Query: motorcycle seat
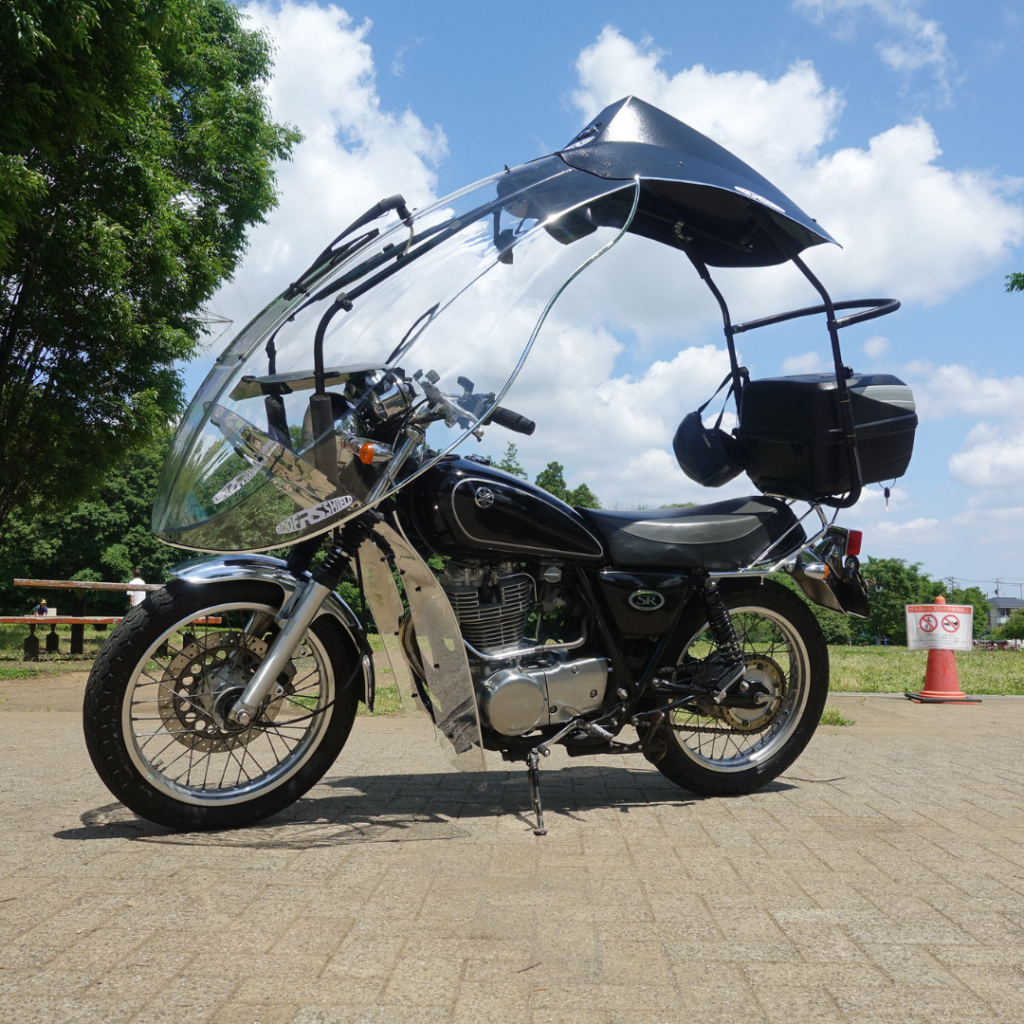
721	537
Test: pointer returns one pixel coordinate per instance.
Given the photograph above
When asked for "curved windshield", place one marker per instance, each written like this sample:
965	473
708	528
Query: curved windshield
367	371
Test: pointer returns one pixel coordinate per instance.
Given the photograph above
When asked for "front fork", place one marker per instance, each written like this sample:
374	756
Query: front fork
297	616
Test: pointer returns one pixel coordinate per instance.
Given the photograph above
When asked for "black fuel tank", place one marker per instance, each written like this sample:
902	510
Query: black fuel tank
463	507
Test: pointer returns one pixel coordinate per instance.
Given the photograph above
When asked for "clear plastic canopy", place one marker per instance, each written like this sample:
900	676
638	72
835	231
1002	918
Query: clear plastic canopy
457	295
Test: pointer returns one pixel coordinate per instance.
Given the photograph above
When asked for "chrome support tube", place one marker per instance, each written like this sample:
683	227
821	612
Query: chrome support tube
760	570
413	438
570	645
280	652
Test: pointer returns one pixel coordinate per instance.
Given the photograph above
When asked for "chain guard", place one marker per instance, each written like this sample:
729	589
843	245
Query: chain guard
765	671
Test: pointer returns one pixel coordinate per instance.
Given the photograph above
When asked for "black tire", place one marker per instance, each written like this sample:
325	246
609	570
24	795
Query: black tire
723	752
153	714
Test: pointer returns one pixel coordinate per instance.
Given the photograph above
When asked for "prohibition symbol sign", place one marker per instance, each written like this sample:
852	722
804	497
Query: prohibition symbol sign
950	623
929	623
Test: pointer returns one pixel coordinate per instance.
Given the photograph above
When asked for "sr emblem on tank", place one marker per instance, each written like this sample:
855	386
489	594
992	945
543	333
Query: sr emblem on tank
646	600
484	497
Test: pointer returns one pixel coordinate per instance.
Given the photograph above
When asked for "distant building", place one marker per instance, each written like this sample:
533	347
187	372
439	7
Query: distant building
1001	610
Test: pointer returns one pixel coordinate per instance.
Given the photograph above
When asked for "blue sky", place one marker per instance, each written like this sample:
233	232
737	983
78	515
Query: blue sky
893	121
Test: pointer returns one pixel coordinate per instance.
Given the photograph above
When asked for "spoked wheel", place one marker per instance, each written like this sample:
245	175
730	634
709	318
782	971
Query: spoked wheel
714	750
157	702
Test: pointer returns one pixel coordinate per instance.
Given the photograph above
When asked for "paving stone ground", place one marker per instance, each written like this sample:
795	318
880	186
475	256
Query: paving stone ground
881	879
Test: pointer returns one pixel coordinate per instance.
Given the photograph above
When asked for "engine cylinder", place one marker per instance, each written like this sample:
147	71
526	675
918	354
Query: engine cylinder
491	605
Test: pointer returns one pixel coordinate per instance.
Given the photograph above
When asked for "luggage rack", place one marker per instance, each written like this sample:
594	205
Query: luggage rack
869	310
759	569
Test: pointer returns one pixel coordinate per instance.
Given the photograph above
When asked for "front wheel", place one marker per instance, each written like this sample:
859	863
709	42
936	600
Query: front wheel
716	751
155	715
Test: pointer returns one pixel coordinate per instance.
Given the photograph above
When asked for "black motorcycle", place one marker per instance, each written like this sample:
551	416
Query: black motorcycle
329	426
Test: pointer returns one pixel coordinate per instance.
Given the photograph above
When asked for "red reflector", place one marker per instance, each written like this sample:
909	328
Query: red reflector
853	542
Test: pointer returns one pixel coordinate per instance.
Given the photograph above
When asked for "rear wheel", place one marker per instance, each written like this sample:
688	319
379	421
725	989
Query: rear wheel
156	704
716	751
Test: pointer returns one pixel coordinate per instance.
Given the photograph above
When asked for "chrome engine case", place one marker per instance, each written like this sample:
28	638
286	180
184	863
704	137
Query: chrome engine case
517	696
517	700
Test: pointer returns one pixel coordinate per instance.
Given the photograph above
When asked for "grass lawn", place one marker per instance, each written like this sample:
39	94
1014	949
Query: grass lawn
898	670
854	669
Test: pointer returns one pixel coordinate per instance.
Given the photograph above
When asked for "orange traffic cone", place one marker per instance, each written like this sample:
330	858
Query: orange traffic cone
941	682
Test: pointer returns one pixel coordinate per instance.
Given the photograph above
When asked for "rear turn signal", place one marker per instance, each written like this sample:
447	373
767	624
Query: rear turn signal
366	453
853	542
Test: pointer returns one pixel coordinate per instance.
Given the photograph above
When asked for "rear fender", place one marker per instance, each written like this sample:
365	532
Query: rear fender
843	589
273	570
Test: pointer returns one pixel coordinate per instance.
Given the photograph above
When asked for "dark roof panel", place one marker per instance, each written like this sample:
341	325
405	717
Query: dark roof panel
697	196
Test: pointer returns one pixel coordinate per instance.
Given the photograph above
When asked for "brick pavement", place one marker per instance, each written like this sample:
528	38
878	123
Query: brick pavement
881	879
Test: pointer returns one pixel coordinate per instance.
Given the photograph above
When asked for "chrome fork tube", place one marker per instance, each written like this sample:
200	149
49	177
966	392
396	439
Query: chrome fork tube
303	612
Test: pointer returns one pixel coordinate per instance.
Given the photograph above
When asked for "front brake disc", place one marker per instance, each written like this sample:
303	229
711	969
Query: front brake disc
196	677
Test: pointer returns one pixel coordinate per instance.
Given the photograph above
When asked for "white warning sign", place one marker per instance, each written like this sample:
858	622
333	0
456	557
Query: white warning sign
943	627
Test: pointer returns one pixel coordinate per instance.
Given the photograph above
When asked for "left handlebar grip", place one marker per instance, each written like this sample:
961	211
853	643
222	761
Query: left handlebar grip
512	421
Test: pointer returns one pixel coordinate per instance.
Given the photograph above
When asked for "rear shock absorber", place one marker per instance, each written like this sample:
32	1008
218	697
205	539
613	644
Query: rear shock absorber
720	623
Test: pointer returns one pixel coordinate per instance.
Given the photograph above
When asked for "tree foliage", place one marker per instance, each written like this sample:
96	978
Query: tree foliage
837	629
135	151
898	583
893	584
552	479
1015	282
509	462
101	538
1013	628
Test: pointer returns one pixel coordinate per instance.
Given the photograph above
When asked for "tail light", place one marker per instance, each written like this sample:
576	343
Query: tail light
853	542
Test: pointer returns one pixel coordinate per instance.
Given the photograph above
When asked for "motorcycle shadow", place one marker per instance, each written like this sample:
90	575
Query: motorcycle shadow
413	807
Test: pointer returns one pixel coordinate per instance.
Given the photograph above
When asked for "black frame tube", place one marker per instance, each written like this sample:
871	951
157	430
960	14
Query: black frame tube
880	307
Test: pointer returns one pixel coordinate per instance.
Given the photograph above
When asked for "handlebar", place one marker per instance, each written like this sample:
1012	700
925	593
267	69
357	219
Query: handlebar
879	307
511	421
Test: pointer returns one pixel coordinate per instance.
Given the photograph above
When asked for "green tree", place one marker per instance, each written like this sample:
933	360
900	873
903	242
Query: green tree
101	538
1013	628
136	149
509	462
895	584
552	479
1015	282
838	629
582	497
974	597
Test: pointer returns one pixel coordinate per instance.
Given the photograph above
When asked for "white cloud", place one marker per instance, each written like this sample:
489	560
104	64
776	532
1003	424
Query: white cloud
615	432
878	201
876	346
765	122
921	530
807	363
991	457
990	524
921	43
353	154
957	390
613	428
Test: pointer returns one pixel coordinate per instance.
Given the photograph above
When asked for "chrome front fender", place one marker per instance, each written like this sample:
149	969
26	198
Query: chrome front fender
273	570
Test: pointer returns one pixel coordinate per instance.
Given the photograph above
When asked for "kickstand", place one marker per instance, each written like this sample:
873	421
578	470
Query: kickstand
533	774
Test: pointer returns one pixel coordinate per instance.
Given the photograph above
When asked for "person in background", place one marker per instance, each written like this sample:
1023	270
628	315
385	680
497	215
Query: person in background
135	596
40	609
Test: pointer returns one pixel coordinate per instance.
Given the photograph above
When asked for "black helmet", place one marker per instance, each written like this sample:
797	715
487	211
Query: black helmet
706	454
